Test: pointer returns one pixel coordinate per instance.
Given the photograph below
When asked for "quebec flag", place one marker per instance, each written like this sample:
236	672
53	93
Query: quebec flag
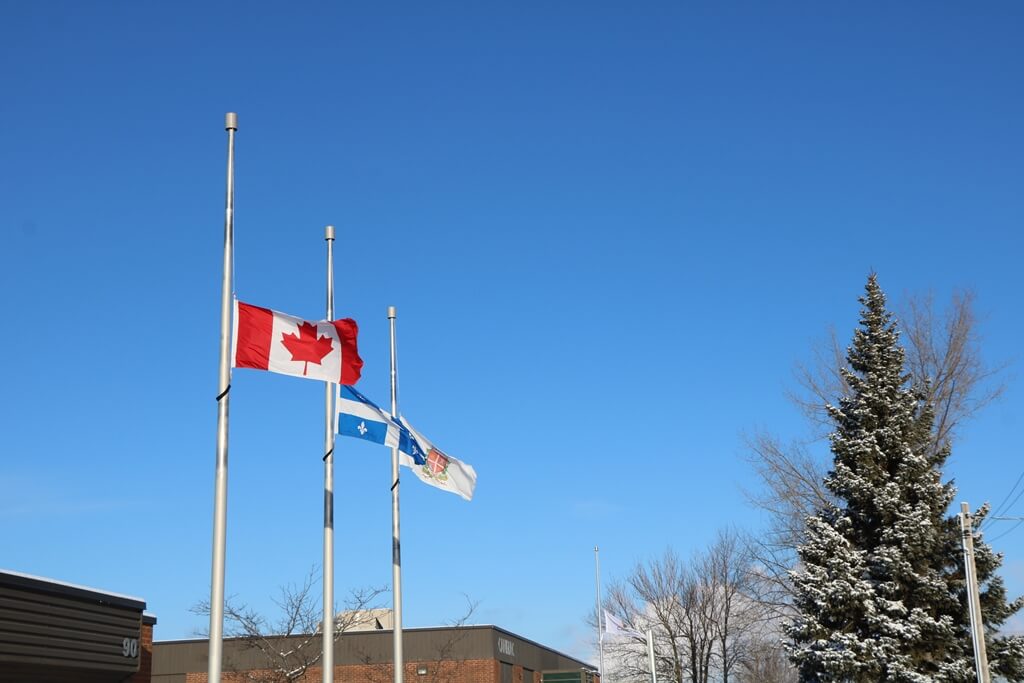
359	417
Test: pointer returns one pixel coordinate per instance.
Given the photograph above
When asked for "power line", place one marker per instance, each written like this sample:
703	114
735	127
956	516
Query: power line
1020	520
999	509
1012	503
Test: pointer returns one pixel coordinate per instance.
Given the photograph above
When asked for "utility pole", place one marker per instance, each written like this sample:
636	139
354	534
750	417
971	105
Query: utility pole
973	598
597	607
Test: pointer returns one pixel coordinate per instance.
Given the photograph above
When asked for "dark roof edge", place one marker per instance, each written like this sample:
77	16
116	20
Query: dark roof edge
52	587
148	619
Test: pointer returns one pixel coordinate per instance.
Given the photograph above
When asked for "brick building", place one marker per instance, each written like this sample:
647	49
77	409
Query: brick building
55	632
458	654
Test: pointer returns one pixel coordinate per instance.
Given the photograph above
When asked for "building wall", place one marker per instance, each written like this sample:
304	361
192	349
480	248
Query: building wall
470	671
472	654
145	672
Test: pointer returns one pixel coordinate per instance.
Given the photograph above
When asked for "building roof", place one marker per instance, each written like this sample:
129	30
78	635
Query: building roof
54	587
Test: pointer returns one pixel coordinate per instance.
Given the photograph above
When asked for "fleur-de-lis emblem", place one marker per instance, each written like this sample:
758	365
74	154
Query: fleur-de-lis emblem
362	429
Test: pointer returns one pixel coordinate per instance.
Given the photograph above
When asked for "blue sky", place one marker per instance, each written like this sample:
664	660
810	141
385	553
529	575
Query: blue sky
610	233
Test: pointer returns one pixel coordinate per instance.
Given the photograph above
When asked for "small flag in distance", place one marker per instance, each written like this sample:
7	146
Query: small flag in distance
614	626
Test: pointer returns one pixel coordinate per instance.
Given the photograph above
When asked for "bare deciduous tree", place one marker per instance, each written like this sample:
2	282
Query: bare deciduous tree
655	597
792	489
701	614
292	643
766	662
735	614
626	655
947	351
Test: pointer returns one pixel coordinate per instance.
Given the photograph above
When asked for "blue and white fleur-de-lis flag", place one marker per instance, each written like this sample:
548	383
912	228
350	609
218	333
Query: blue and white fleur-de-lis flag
359	417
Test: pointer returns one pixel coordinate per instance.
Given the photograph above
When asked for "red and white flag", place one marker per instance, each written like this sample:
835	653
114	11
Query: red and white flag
268	340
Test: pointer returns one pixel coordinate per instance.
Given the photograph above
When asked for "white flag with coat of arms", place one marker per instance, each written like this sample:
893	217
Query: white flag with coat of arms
360	418
433	466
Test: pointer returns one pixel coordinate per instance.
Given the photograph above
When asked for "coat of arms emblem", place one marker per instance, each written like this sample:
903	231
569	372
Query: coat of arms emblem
436	466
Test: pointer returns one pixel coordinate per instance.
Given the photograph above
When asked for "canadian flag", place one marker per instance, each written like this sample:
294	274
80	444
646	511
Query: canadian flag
268	340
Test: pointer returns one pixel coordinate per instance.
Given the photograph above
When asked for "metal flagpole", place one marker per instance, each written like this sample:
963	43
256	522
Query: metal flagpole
973	600
650	655
220	494
600	633
396	544
327	659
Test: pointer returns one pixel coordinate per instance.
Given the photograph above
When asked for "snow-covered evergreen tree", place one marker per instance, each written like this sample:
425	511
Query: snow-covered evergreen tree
880	591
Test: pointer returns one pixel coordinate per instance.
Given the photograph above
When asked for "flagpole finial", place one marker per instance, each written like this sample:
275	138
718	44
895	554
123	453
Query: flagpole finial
329	232
231	121
392	313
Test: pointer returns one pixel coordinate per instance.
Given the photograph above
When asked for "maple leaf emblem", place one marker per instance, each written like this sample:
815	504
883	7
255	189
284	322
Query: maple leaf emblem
306	346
